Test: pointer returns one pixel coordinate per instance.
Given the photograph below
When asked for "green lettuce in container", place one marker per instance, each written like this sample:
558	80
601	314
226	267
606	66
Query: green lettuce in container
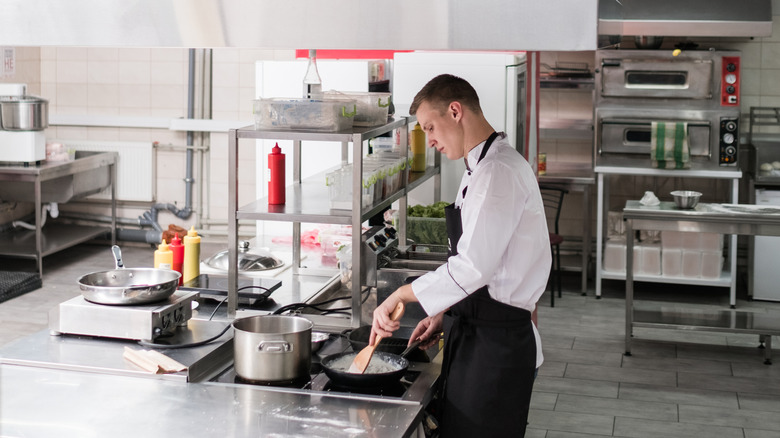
426	224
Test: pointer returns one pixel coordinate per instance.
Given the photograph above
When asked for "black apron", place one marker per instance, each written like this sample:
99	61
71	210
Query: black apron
489	358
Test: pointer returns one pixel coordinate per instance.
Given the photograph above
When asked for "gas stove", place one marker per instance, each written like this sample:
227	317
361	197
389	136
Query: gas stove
144	322
416	384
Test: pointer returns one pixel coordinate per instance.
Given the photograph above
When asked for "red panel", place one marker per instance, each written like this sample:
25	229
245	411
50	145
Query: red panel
729	98
350	54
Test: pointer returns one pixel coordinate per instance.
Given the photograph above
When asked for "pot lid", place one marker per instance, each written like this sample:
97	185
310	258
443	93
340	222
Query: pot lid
255	260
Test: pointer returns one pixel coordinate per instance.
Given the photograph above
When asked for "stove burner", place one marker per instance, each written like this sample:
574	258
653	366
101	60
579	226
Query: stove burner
295	383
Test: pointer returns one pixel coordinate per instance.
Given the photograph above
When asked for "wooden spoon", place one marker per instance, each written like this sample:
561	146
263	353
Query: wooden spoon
362	359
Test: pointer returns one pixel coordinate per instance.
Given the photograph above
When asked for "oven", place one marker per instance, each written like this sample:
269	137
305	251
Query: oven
695	92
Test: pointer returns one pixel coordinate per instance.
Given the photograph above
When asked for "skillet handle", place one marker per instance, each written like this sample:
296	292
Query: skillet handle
117	257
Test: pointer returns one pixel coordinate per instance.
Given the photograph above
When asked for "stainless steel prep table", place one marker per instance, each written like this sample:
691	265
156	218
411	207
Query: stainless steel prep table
56	181
575	177
712	218
39	402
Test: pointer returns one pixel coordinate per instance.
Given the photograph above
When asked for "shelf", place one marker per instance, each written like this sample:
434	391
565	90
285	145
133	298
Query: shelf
309	202
54	237
566	83
343	136
566	129
723	281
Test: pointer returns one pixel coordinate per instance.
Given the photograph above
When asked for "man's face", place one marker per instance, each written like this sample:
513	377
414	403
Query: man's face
444	130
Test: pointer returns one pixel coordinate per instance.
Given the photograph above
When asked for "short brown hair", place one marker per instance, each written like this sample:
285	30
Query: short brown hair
444	89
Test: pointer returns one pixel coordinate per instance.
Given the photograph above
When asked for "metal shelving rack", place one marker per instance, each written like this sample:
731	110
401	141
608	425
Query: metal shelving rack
307	200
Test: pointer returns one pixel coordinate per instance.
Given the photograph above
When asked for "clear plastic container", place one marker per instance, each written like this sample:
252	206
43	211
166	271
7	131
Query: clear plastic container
306	114
372	107
339	184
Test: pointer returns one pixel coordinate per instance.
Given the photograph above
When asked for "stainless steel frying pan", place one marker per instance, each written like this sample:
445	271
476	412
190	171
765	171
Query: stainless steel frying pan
123	286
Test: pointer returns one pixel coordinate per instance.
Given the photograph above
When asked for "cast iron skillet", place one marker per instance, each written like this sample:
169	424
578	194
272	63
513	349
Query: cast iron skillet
376	380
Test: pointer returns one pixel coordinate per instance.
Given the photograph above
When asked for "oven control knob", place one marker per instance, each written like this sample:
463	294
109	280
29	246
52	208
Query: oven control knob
731	78
731	126
728	138
731	67
380	240
730	151
730	89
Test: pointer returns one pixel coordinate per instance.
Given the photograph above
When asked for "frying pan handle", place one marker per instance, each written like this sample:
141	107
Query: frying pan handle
117	256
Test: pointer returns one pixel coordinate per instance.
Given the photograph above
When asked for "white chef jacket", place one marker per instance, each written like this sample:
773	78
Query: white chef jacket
505	243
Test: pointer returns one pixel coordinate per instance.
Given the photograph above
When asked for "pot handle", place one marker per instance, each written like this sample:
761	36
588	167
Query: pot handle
275	347
117	256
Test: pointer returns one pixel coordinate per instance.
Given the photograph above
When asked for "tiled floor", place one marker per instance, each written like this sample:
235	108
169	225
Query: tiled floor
676	383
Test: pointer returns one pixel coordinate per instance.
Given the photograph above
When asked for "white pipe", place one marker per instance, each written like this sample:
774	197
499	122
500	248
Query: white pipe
52	206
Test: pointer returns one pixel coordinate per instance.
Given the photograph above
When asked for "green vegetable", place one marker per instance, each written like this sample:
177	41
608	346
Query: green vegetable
434	210
426	223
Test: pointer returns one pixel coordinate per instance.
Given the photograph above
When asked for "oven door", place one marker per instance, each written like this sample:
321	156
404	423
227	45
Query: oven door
631	138
657	78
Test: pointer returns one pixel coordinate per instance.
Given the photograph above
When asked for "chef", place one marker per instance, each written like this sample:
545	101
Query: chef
498	267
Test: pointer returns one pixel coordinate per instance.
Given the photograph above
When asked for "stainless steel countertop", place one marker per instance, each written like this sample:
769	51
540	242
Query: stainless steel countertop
568	173
38	402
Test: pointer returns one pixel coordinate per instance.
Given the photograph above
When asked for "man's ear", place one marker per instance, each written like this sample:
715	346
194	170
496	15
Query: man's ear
456	110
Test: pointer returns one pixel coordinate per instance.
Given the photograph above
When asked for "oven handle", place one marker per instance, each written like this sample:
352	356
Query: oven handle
644	122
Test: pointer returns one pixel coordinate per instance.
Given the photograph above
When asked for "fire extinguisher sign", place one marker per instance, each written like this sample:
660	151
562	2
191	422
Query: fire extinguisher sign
9	62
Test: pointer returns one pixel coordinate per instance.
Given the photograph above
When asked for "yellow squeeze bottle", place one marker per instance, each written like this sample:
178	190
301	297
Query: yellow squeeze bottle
191	267
417	144
163	256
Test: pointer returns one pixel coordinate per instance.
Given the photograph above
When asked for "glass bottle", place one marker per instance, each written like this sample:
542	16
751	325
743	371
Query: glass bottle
312	84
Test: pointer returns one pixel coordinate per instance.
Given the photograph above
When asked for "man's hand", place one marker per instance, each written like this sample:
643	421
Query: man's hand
428	331
382	324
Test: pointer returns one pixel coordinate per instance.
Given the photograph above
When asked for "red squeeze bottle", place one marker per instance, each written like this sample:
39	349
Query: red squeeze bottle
178	256
276	183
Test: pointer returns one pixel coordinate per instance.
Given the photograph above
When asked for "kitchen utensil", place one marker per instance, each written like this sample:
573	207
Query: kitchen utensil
123	286
24	113
343	378
411	347
318	340
362	359
248	261
272	348
686	199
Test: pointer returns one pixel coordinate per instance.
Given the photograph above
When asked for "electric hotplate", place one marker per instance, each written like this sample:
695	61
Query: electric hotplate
250	290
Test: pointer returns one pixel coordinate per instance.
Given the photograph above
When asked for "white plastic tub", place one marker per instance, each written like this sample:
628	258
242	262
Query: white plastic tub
330	115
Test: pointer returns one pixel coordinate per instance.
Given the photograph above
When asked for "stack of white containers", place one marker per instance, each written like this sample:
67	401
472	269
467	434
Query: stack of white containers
679	254
691	254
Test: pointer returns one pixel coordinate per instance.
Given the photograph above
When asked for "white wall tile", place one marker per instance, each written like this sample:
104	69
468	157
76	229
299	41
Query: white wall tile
102	72
169	73
226	74
103	54
71	72
750	81
103	96
135	73
135	54
226	55
48	72
168	96
225	99
169	55
72	94
105	134
770	55
126	134
135	96
71	54
770	82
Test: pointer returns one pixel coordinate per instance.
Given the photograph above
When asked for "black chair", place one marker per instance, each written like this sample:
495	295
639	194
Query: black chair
552	197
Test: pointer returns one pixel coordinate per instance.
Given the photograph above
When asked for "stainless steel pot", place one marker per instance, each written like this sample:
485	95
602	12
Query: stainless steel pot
24	113
128	286
272	348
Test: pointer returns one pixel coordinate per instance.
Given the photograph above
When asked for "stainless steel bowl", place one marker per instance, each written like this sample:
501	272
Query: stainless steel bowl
686	199
24	113
318	340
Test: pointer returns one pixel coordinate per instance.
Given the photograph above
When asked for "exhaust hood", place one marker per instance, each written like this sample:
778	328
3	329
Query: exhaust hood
686	18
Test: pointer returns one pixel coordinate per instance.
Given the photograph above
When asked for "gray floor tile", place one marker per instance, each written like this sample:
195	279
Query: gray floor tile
559	434
535	433
543	400
663	394
712	352
552	368
576	386
617	407
571	422
641	428
674	364
731	384
586	357
729	417
614	374
617	344
757	369
759	402
754	433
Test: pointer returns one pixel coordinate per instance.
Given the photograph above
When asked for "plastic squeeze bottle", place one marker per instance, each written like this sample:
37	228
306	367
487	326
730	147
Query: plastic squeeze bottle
178	256
191	266
417	144
163	257
276	182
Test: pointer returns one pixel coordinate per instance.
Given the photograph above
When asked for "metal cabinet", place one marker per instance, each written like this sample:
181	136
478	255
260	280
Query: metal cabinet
307	199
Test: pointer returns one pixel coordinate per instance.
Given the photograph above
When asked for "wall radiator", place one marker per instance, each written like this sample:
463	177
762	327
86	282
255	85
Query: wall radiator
135	171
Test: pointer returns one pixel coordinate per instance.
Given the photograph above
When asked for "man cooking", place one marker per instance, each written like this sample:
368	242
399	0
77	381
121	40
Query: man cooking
498	267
